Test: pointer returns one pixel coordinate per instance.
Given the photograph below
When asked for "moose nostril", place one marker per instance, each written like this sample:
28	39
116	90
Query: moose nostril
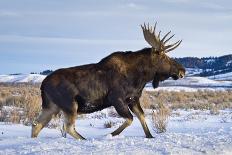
181	74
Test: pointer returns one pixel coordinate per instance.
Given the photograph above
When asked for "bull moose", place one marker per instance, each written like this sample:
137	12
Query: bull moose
117	80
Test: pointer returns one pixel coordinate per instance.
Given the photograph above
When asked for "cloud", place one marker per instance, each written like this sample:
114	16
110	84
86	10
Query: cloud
179	1
9	14
134	6
62	40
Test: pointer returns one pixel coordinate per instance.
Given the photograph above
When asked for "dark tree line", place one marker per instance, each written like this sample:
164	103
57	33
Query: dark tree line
46	72
210	65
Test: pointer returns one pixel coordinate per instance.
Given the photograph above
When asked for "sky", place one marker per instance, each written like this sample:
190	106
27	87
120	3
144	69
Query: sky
36	35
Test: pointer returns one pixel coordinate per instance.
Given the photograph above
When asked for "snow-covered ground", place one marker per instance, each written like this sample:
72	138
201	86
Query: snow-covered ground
196	82
187	88
188	132
226	76
190	84
193	71
21	78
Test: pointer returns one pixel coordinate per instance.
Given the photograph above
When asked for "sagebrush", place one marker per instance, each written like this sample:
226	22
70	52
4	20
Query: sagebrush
203	100
160	118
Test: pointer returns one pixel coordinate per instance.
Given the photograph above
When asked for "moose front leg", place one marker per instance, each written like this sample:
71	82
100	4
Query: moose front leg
138	111
124	112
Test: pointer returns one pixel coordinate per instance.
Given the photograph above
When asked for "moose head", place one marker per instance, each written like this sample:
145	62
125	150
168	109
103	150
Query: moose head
165	66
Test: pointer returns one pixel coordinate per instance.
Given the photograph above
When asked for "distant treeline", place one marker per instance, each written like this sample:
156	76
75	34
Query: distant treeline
46	72
210	65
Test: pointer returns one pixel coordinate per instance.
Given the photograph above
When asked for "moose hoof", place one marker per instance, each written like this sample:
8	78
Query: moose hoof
149	136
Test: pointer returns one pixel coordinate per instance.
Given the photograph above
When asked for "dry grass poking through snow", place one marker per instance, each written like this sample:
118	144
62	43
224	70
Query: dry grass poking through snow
203	100
109	124
160	118
19	103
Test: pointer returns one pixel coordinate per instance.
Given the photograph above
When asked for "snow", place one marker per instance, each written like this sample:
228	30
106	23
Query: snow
226	76
188	132
210	60
196	81
229	63
21	78
186	89
190	84
193	71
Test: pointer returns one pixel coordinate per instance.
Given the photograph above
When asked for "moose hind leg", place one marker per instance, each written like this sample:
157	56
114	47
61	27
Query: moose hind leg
44	117
69	123
124	112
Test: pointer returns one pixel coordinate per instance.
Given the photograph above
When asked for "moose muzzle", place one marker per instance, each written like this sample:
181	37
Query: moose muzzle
181	74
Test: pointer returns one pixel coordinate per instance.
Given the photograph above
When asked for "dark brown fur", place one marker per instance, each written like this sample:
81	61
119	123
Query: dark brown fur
117	80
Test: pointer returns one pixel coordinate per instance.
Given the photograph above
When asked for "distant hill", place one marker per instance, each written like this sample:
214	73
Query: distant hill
208	66
22	78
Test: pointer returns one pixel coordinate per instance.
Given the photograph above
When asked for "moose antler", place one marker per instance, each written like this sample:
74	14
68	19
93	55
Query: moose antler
155	41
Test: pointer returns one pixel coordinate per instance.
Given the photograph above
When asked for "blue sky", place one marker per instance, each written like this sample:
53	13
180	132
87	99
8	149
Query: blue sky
48	34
